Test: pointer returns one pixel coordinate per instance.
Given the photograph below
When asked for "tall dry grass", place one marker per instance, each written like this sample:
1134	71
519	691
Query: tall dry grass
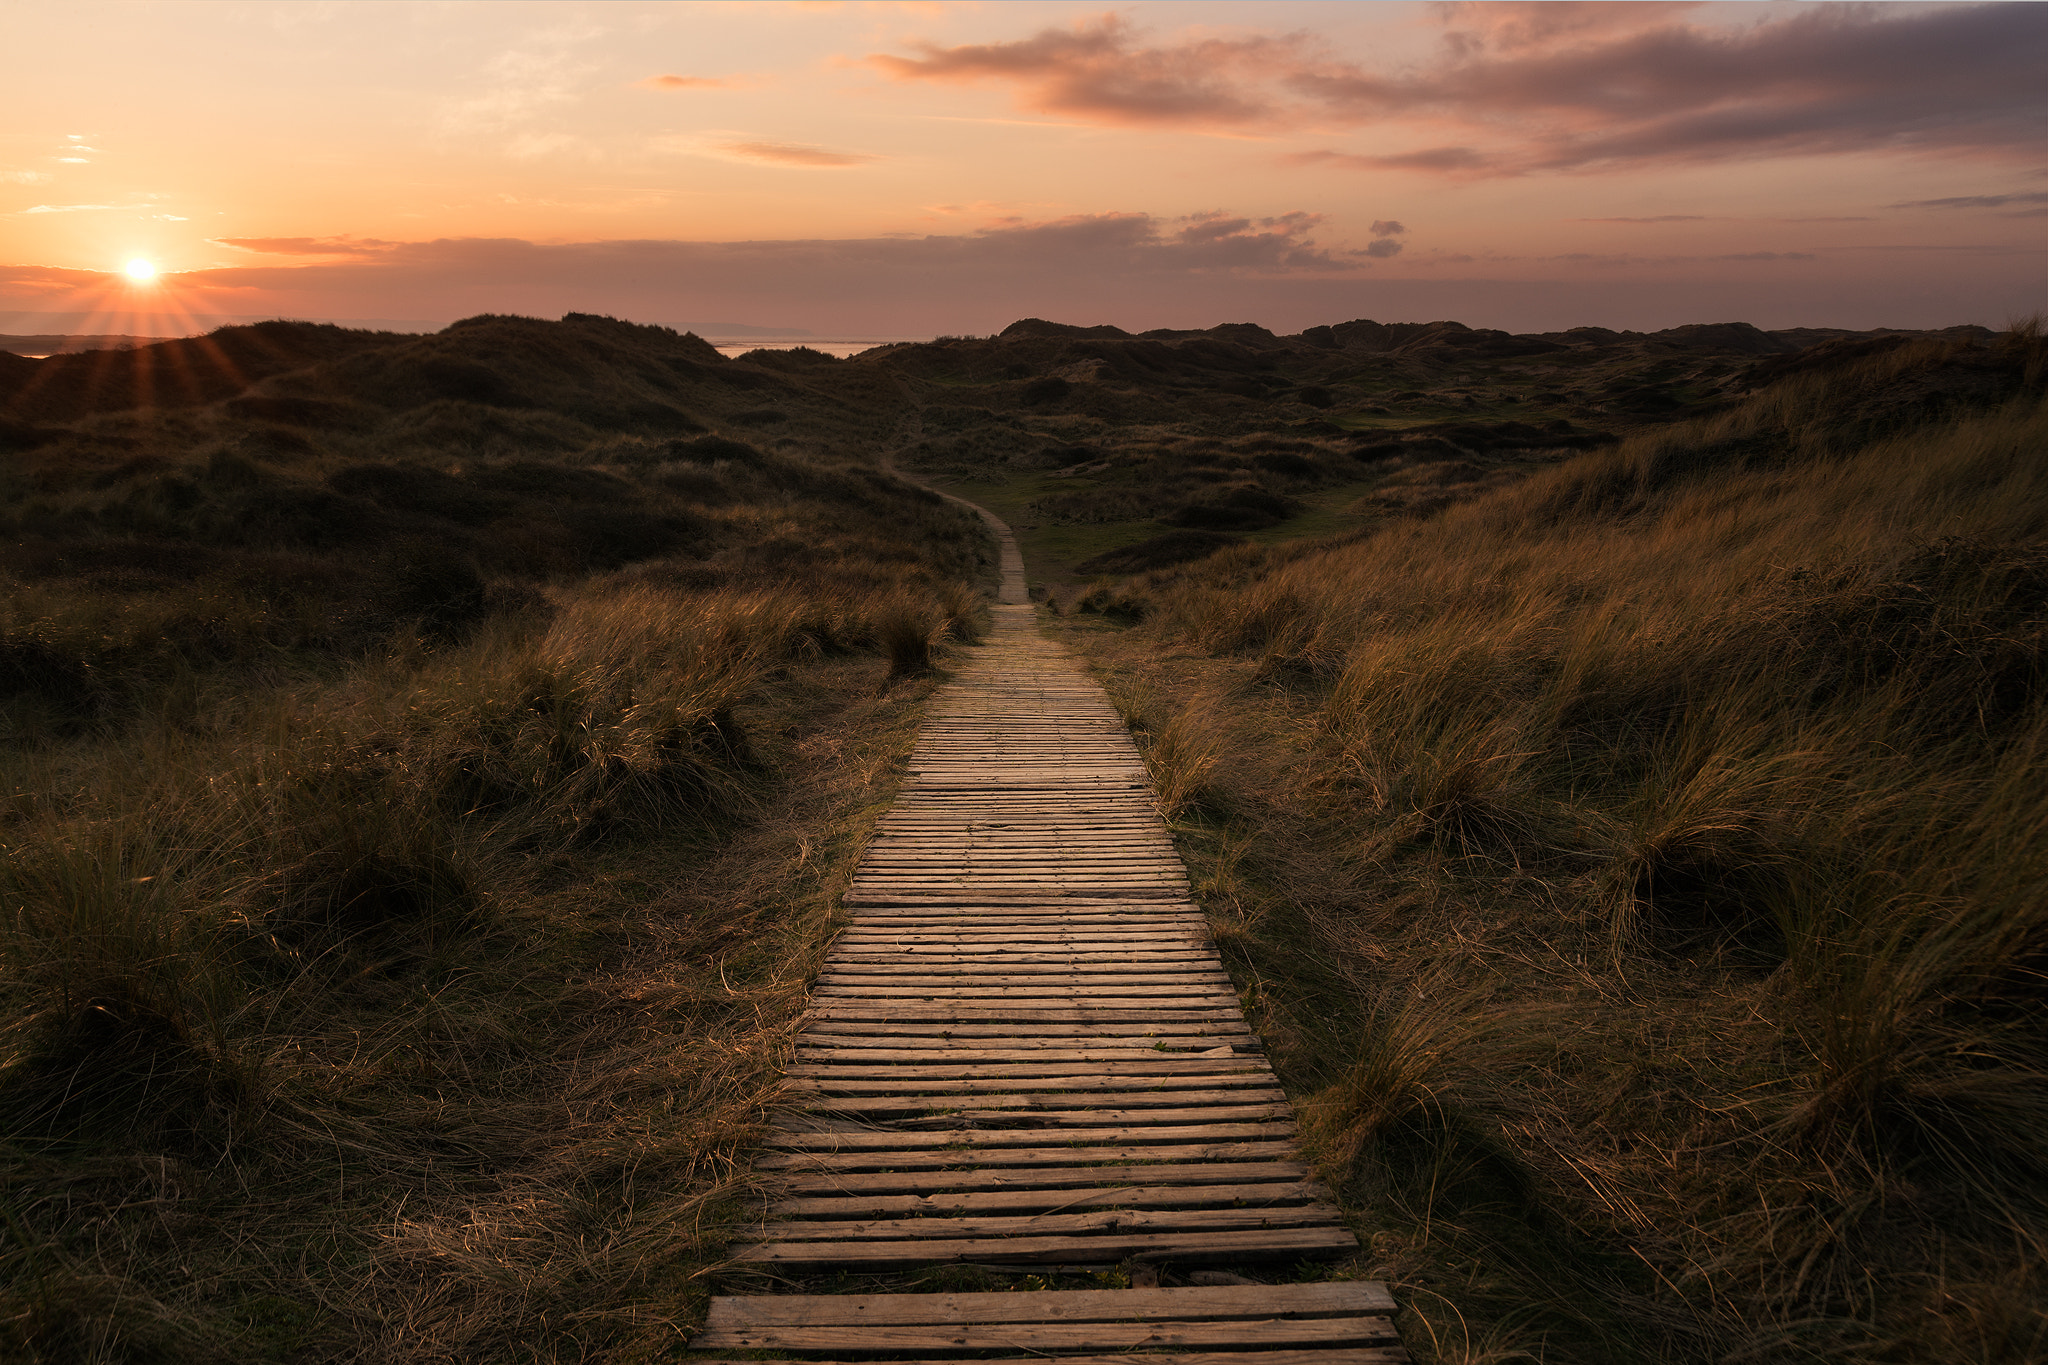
1655	850
395	953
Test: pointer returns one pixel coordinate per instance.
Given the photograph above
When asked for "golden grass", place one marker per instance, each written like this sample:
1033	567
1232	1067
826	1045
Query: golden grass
418	1005
1640	870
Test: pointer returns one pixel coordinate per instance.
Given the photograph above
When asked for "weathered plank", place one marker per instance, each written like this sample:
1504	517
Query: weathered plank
1168	1196
1059	1336
1104	1246
1114	1220
932	1180
1354	1355
1235	1149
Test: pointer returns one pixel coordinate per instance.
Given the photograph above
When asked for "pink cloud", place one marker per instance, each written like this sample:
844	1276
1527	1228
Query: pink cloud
1095	70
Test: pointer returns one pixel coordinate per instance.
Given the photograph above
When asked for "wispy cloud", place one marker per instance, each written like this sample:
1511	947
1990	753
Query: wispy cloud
524	84
25	177
77	208
792	154
309	246
683	83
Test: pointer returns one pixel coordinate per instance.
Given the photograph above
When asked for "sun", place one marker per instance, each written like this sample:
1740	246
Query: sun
141	271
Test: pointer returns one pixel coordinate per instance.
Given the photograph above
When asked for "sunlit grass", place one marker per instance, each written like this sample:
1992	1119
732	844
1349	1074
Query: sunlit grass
1639	876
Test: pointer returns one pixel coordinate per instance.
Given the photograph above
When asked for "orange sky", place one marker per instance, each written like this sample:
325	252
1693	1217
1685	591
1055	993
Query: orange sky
913	168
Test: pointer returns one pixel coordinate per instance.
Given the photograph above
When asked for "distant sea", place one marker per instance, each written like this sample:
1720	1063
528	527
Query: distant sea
838	346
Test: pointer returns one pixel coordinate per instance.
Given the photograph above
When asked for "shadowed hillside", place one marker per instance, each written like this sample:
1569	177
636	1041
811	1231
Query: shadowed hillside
1092	440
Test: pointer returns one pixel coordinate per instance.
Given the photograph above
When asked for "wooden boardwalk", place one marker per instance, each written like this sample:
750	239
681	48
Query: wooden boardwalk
1024	1052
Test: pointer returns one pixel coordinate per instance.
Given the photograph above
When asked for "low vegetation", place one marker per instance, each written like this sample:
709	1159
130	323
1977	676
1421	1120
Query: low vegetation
1610	763
418	832
1095	443
1642	869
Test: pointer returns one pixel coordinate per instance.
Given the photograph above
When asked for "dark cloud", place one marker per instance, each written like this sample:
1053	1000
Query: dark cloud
1972	201
1387	227
1384	247
1429	159
1830	79
1568	87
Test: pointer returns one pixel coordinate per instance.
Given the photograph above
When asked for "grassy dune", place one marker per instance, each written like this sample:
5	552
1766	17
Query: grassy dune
1643	870
429	763
416	844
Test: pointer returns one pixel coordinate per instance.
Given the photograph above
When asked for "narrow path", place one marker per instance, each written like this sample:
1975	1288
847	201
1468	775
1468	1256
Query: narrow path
1025	1053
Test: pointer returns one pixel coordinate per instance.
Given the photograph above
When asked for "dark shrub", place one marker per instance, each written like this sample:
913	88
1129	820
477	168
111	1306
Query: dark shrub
1293	466
295	412
296	516
1242	509
464	381
416	488
610	536
705	449
436	584
1045	389
1175	547
553	482
1316	396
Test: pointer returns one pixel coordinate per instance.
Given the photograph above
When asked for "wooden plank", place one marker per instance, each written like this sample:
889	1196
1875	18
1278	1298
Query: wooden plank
1108	1072
961	1142
863	894
1033	997
1113	1220
845	1009
962	1337
1002	938
881	970
861	1159
834	1048
836	1081
1063	1107
1330	1298
1061	1038
1049	1200
1100	1247
908	974
1355	1355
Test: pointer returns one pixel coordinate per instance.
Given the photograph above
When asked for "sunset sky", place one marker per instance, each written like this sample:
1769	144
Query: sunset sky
886	169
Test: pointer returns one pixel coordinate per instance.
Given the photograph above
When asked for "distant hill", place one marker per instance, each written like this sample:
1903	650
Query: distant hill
55	343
